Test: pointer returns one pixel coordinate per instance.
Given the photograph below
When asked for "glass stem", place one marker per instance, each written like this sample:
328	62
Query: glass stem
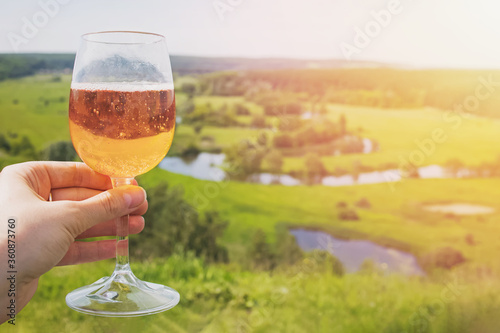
122	223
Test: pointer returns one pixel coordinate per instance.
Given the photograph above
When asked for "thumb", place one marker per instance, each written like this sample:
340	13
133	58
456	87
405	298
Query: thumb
107	205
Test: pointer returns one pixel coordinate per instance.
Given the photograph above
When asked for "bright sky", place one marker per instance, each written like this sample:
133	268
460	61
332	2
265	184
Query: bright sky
420	33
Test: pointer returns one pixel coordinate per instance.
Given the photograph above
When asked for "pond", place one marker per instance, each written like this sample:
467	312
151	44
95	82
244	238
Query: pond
205	166
352	253
386	176
460	209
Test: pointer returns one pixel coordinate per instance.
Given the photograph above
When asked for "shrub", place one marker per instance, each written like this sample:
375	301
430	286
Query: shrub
241	110
197	127
314	166
243	159
4	143
208	138
24	148
173	224
288	251
258	121
280	109
274	161
59	151
260	253
341	204
364	203
369	267
283	141
191	150
290	123
262	139
325	261
189	88
444	257
469	239
348	215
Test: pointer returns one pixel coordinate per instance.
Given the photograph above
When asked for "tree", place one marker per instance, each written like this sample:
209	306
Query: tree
444	257
189	88
356	170
314	167
306	137
173	223
241	110
409	171
203	239
4	143
187	107
197	127
283	141
288	252
243	159
364	203
59	151
327	262
279	108
348	214
369	267
258	121
24	147
343	124
454	166
290	123
261	254
323	109
274	161
262	139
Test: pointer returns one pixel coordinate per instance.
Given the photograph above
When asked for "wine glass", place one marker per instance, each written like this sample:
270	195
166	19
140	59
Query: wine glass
122	120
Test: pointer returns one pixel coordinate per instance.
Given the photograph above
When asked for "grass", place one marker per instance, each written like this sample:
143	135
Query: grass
397	217
302	298
401	134
396	213
226	298
218	101
36	107
397	131
226	136
24	111
472	141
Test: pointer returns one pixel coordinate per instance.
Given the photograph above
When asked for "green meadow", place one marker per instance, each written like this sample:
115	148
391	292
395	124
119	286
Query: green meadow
401	132
308	296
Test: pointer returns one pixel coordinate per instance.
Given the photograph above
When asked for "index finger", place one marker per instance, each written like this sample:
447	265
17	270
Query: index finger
64	174
76	174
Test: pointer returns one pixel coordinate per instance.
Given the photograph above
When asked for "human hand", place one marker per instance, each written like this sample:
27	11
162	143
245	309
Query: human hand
82	205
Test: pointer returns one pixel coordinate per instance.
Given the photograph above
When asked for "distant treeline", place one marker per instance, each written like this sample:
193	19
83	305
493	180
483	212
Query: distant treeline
19	65
202	65
461	90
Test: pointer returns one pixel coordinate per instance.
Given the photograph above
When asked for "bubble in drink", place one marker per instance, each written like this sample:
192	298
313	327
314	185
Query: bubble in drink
122	130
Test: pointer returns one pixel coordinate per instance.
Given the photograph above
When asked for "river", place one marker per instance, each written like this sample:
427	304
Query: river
352	253
205	166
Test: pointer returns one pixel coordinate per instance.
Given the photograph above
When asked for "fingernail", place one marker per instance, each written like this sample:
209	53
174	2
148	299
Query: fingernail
134	196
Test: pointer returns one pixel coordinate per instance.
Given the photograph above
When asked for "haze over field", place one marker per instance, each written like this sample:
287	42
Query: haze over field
424	33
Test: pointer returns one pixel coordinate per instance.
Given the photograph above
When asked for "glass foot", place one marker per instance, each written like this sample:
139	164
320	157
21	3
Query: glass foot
122	295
